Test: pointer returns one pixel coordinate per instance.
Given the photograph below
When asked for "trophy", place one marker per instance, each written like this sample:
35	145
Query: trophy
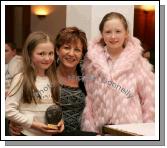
53	115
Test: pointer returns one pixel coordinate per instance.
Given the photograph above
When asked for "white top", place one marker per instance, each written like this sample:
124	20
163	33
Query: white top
145	129
24	113
11	69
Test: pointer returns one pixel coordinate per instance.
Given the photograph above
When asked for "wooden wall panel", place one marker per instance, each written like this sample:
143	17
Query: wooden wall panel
9	23
144	27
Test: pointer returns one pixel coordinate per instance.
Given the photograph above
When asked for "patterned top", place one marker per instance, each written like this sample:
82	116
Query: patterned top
72	100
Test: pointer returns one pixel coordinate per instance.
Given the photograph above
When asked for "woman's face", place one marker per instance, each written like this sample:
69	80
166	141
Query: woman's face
70	54
114	34
43	56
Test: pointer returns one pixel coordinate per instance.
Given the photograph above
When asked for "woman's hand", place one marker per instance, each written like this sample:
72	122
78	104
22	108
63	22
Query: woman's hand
47	129
14	129
61	126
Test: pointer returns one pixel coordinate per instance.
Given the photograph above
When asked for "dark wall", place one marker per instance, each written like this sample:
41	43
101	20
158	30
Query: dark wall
144	29
11	23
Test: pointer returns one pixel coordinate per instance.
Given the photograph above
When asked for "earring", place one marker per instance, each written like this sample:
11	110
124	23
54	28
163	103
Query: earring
81	62
58	60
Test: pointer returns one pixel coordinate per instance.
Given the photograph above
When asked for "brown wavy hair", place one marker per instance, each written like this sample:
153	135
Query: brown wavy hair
71	35
29	75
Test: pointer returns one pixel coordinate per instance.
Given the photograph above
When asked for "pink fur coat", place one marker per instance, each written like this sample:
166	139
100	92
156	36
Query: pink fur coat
119	92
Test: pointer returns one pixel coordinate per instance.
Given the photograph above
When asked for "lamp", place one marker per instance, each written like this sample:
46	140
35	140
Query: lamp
148	7
41	11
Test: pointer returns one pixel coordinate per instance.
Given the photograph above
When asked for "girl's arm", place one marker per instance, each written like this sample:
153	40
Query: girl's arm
15	129
12	112
48	130
13	101
87	122
146	90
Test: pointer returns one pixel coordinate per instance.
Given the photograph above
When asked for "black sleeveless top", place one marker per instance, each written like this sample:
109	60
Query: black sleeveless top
72	101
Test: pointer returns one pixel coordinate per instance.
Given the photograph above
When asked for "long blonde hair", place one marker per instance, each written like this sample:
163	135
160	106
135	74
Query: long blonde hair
29	75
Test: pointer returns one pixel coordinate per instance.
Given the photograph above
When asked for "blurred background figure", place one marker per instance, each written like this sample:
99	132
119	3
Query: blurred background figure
146	54
13	64
149	55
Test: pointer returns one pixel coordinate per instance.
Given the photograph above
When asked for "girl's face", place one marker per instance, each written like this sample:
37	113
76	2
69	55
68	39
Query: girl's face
114	34
70	54
43	56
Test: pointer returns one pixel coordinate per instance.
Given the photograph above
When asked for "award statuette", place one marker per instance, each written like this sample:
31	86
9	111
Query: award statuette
53	115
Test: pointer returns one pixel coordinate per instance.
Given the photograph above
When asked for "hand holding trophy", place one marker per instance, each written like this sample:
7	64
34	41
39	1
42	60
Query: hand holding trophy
53	115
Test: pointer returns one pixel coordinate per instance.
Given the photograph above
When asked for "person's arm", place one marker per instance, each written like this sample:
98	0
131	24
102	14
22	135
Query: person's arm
15	129
48	130
87	122
146	90
13	101
13	114
15	66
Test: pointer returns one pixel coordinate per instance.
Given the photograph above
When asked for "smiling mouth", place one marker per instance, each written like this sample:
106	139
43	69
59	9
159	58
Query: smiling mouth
114	42
70	60
46	63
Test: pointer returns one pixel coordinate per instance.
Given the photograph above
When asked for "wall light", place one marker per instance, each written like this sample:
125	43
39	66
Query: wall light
147	7
41	11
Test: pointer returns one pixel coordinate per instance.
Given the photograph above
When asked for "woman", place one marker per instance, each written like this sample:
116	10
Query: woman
123	88
71	47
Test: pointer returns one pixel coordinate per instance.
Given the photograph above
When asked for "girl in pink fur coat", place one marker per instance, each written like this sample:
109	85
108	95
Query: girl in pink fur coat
119	81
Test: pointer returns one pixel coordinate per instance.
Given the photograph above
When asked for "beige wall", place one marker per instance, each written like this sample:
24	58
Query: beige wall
88	17
79	16
52	23
98	13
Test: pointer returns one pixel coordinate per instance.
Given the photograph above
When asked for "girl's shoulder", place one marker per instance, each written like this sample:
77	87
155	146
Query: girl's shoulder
142	64
15	84
18	78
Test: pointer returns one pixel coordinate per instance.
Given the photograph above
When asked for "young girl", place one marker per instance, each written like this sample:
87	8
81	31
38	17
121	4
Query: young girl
123	89
34	90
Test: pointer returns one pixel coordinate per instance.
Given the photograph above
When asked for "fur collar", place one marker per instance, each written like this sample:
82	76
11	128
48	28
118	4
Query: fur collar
125	62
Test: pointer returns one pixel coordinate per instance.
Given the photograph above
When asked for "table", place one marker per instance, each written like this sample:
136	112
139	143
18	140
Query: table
135	129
